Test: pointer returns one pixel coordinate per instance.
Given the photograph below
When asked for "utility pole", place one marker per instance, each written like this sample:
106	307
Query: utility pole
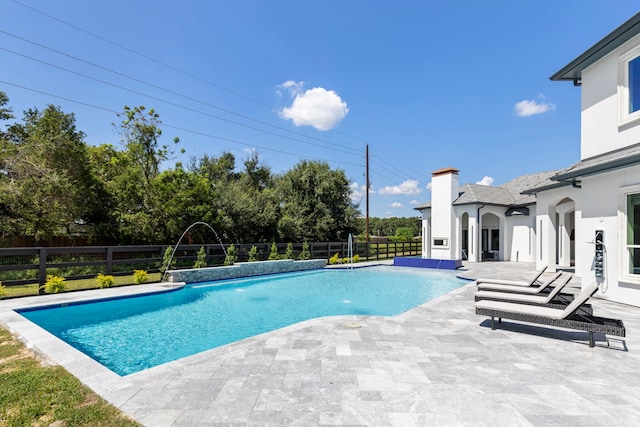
366	226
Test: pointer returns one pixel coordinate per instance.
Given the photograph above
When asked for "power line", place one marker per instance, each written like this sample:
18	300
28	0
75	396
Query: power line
164	64
176	69
193	76
170	102
178	127
163	89
404	171
403	177
149	58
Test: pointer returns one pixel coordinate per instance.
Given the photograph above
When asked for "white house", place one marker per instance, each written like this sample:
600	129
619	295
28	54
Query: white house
586	216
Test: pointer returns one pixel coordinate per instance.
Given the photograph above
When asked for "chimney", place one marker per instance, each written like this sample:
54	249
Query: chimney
444	191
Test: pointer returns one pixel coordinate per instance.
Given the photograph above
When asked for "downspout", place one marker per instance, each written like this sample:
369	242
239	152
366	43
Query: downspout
479	236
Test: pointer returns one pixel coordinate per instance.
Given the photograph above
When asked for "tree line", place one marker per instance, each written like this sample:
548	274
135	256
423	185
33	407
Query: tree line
53	183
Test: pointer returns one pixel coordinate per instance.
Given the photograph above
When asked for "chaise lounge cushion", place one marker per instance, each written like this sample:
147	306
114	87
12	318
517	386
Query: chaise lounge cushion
526	298
530	282
519	289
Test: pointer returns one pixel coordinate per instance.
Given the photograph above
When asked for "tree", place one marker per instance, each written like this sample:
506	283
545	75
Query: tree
140	133
133	177
388	226
47	184
244	203
315	204
5	112
404	234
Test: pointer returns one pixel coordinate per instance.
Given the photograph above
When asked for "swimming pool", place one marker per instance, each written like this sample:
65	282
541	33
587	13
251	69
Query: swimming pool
130	334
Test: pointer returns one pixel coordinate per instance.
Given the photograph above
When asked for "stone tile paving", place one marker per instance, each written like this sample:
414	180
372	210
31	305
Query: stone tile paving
438	364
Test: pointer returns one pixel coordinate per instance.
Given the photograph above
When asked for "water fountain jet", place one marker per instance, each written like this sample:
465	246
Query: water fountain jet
182	236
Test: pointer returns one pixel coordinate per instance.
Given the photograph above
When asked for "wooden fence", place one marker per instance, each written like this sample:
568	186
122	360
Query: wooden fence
20	266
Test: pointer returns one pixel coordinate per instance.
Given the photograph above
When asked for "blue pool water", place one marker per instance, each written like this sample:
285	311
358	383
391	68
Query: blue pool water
130	334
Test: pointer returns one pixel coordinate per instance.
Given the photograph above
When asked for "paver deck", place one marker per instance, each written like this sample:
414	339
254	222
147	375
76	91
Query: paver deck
438	364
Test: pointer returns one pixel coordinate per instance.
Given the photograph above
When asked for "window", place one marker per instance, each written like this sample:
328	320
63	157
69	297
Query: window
633	233
495	240
629	87
629	232
441	242
634	85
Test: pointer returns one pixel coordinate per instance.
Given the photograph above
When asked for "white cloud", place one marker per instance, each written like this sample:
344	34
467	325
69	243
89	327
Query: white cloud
487	180
294	88
318	107
357	192
531	107
395	205
414	202
408	187
429	186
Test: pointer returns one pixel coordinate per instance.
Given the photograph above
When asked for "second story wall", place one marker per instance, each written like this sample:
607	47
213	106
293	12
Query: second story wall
606	122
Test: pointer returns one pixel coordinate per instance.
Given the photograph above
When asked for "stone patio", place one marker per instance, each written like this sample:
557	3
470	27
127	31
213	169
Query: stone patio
438	364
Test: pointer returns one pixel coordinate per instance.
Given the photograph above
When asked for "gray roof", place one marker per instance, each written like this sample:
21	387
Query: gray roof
627	156
573	70
475	193
508	194
426	205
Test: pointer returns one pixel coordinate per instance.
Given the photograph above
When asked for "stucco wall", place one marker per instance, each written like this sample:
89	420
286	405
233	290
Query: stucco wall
600	127
597	207
520	237
602	213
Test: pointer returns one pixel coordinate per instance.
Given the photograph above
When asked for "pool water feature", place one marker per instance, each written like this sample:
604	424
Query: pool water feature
131	334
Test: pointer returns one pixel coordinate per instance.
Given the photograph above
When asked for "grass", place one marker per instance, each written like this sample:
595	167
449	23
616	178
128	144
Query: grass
32	394
75	285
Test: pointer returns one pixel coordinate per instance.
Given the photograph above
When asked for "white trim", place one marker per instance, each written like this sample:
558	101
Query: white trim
624	117
623	259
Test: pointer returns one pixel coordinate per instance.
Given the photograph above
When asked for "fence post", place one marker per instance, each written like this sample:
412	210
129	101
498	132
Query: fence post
42	270
109	266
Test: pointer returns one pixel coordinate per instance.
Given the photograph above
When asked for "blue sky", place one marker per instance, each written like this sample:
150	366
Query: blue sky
427	84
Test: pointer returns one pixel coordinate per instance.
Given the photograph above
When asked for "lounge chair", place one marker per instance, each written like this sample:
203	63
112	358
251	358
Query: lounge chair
514	282
563	318
553	299
519	289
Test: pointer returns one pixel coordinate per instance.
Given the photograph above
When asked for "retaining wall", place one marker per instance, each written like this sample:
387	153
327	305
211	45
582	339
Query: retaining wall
243	269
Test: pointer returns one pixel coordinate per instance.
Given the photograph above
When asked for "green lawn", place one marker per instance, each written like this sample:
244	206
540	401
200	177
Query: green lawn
75	285
32	394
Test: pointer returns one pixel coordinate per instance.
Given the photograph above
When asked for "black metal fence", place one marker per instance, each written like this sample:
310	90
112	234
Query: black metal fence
20	266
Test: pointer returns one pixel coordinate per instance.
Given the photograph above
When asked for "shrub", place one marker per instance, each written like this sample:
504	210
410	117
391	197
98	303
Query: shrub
139	276
289	252
253	254
104	281
305	254
165	261
231	257
404	234
356	258
54	284
201	259
273	255
346	260
335	259
2	289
